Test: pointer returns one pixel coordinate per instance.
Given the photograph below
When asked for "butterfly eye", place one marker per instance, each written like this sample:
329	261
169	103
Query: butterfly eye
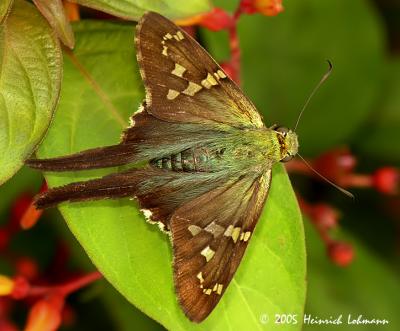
282	129
287	158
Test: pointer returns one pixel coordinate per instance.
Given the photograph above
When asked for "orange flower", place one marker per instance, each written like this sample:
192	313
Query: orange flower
268	7
45	315
265	7
6	285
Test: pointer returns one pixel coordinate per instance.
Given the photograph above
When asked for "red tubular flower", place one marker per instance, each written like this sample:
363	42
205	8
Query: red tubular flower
386	180
8	326
265	7
21	288
335	164
45	315
27	267
216	20
340	253
324	216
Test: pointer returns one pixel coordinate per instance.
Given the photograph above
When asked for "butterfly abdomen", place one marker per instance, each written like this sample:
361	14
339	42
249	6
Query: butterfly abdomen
201	159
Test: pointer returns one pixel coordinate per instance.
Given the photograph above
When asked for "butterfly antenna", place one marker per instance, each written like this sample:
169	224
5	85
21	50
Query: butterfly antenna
326	179
323	79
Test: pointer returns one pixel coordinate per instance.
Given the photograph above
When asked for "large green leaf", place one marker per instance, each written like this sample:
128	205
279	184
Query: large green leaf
5	6
285	56
101	89
30	78
134	9
54	12
367	287
379	138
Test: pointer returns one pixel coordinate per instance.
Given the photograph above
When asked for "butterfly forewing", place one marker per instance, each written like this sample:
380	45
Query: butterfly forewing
210	235
183	83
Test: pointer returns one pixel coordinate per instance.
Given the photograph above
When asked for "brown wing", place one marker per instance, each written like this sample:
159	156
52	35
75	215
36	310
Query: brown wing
209	237
183	83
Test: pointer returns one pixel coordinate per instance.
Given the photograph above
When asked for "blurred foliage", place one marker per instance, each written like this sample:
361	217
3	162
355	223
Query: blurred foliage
283	58
381	133
367	287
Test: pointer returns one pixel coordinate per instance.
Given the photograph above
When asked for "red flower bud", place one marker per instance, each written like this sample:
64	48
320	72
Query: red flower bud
216	20
20	206
27	267
21	288
341	253
386	180
335	164
265	7
324	216
45	315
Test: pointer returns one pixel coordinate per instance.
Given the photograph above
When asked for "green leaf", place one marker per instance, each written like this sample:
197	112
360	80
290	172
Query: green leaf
134	9
379	138
367	287
101	89
54	12
285	56
5	6
30	78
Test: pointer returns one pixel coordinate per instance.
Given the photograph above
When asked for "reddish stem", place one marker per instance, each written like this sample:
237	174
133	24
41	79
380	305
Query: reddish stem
235	45
306	208
66	289
355	180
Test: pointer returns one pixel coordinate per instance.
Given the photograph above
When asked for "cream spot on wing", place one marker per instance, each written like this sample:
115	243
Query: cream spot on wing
178	70
172	94
209	81
200	277
165	51
215	229
167	36
207	291
221	74
235	234
208	253
215	287
180	35
242	236
219	289
194	229
228	231
247	236
192	89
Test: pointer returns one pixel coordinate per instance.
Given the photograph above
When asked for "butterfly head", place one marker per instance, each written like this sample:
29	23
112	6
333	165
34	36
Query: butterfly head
288	143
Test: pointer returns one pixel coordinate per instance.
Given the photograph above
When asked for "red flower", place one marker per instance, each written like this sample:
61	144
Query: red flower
45	315
341	253
265	7
386	180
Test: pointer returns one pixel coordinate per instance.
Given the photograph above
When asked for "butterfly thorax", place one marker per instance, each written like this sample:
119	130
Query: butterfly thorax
240	149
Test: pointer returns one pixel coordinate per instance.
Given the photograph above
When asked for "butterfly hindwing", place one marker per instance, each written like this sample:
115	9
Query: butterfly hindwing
183	83
209	236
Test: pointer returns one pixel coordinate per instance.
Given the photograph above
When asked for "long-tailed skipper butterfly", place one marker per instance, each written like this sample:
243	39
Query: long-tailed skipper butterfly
208	162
